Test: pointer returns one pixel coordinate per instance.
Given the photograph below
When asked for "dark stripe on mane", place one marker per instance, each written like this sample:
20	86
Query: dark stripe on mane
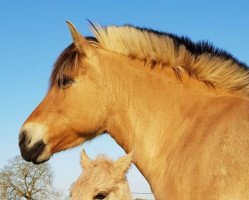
196	48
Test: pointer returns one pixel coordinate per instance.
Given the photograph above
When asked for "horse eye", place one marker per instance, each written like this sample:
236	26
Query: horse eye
64	82
100	195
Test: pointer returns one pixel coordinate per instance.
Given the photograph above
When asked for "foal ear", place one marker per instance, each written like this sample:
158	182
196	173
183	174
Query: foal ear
124	163
79	41
85	160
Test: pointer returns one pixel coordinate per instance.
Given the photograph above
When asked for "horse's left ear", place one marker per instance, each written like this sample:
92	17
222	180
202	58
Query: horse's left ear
81	43
124	163
85	160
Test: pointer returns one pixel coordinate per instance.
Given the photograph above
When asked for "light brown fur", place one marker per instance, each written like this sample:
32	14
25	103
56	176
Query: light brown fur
190	141
102	178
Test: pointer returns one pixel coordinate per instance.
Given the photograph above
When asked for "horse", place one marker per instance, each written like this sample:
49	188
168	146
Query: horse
180	106
102	178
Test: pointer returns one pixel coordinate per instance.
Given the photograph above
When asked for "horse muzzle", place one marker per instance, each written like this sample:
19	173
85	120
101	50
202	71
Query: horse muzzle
32	149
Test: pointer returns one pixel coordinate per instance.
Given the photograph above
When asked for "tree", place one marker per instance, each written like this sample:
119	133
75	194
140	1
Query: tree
24	180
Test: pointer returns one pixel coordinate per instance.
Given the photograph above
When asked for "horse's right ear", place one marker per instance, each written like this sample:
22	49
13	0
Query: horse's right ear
79	41
123	164
85	160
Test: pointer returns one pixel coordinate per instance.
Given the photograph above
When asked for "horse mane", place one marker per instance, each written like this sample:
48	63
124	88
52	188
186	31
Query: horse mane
201	60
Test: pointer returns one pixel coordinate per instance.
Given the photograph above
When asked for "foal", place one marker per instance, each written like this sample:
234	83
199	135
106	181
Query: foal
102	178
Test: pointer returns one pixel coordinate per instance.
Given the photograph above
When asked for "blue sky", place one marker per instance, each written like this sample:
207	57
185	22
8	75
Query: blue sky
32	34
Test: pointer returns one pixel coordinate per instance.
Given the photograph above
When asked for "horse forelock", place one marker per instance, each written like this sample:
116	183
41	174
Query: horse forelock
102	159
67	62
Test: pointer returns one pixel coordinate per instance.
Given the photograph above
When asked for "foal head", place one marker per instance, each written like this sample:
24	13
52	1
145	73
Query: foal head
75	106
102	178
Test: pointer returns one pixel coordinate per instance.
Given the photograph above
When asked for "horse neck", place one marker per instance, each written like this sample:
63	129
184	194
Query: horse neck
149	112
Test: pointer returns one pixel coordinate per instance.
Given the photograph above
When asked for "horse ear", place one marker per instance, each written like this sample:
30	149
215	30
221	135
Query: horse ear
85	160
78	39
124	163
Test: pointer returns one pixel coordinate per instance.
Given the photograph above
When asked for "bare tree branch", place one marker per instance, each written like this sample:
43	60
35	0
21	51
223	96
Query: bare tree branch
21	179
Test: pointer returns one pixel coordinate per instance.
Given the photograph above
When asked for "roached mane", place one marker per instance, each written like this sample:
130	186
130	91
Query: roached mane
200	60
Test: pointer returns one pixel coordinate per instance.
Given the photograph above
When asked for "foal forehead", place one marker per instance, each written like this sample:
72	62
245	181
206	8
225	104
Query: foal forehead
99	179
99	174
99	171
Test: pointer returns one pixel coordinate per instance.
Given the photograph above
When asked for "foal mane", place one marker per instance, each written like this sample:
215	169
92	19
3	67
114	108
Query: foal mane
200	60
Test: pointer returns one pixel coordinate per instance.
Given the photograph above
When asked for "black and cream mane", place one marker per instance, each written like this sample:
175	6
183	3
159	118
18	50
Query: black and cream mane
201	60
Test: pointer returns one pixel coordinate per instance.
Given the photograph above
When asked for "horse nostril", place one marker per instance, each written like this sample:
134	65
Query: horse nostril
22	137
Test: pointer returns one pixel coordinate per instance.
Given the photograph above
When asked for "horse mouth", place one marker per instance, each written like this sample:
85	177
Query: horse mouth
32	154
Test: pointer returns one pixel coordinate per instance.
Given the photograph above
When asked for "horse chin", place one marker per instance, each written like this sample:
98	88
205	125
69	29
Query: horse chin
40	161
45	156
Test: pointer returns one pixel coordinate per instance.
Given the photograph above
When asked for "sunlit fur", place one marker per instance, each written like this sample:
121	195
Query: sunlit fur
102	176
184	113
